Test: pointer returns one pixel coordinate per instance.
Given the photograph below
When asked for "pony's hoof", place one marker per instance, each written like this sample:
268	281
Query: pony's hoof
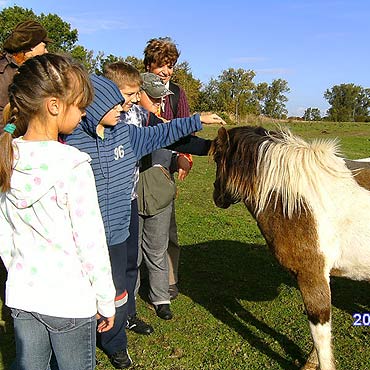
310	366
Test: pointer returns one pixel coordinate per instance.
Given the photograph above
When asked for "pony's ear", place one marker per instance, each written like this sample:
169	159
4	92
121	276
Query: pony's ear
220	143
223	137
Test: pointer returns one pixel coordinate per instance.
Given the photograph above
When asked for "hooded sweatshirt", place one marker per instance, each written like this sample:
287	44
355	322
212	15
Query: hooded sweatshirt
114	158
52	238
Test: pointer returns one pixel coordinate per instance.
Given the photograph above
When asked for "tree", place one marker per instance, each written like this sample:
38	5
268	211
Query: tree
235	87
64	38
259	97
136	62
312	114
349	103
209	98
183	76
275	99
84	56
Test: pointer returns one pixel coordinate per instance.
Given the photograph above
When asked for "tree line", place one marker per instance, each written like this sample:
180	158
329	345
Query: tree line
233	93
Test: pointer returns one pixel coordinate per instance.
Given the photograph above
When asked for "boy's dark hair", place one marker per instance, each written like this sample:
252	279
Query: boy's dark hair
160	51
122	74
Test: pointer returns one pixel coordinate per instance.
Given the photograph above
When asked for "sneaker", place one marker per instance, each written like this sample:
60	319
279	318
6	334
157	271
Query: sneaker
138	326
174	291
121	359
163	311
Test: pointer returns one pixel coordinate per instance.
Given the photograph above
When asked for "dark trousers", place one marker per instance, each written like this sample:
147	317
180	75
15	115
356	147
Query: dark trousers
132	253
115	339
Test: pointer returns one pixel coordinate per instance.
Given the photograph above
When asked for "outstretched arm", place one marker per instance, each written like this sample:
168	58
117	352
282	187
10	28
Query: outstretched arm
191	144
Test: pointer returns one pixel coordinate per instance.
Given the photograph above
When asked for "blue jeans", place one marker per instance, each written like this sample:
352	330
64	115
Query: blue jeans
73	341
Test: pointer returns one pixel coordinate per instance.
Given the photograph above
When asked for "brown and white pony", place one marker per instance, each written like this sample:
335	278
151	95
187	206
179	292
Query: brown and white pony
313	214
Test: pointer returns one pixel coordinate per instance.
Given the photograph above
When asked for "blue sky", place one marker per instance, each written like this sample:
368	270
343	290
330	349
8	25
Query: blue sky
312	44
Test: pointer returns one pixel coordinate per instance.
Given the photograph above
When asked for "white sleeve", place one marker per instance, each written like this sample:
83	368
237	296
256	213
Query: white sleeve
89	236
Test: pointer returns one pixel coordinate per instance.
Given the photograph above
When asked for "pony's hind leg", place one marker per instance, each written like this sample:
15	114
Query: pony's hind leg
315	292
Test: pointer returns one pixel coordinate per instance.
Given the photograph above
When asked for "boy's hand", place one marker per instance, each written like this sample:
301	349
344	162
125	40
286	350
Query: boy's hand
183	167
211	118
104	323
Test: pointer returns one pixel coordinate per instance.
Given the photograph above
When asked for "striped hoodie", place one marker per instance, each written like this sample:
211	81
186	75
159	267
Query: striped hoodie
114	157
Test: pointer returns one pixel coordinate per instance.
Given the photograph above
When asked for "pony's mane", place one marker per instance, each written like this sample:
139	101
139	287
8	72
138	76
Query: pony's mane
290	169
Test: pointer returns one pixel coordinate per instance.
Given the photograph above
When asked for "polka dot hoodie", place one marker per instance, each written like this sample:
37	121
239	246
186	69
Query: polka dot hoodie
52	238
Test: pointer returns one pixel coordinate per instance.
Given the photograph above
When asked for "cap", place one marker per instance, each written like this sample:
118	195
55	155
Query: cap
25	36
154	86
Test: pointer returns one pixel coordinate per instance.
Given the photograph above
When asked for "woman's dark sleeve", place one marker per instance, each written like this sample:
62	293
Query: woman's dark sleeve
191	144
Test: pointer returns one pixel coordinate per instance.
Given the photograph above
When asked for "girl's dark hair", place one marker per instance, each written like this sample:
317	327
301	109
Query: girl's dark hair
38	78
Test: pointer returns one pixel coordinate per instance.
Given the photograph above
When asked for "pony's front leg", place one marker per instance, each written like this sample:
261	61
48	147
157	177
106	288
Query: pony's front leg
316	295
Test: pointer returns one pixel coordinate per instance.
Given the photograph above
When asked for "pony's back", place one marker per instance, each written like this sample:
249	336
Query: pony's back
279	163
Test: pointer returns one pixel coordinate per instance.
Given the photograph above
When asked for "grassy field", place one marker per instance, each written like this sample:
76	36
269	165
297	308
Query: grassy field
238	309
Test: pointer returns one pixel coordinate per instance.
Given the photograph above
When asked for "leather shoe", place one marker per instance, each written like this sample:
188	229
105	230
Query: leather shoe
138	326
163	311
121	359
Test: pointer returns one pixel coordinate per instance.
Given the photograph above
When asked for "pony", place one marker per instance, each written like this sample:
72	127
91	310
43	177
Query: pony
313	214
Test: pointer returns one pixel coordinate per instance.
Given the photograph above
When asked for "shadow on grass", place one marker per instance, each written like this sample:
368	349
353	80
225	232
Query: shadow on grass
217	274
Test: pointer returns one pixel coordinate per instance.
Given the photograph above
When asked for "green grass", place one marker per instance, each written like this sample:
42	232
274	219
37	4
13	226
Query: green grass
238	309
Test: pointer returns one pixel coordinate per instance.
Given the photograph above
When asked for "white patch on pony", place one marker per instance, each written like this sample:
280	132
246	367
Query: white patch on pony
344	227
296	170
314	175
321	335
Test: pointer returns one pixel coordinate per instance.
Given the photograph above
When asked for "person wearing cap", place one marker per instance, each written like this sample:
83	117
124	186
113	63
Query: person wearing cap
154	229
28	39
153	92
154	226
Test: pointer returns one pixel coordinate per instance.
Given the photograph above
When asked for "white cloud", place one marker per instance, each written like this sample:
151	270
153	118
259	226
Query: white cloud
89	25
4	3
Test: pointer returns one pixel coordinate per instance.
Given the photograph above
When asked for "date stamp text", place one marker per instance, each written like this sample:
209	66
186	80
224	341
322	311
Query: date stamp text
361	319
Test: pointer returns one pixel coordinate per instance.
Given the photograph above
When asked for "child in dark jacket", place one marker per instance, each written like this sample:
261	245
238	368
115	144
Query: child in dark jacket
115	149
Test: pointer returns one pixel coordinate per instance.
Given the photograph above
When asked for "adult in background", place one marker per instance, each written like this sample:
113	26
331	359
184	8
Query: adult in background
160	56
27	40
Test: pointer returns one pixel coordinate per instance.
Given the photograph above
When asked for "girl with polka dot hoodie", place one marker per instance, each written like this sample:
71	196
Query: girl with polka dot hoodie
52	237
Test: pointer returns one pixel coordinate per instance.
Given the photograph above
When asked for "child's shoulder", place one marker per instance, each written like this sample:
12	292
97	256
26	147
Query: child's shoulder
72	154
